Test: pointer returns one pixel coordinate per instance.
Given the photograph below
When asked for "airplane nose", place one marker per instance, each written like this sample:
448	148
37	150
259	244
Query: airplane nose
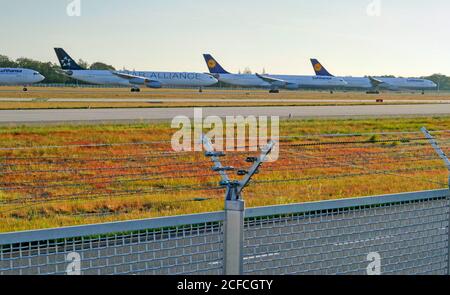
41	78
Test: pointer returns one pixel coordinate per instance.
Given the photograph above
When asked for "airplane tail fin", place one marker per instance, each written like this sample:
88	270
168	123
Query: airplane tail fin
319	68
213	66
66	62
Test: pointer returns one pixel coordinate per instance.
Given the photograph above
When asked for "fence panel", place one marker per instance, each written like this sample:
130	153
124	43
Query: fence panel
408	231
182	245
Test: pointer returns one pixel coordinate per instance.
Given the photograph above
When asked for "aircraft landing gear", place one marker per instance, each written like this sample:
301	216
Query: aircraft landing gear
25	89
423	92
200	90
331	91
135	90
274	91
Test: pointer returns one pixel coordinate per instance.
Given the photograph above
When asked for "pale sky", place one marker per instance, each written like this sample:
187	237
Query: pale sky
408	38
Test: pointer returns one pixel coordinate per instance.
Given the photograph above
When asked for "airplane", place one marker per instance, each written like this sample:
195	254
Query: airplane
19	76
134	79
273	82
373	84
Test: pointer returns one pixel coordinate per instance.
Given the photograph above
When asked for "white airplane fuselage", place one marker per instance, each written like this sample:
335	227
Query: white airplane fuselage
19	76
249	80
391	83
102	77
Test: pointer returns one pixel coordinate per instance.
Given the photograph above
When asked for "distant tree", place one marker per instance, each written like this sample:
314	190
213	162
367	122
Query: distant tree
441	80
247	71
101	66
83	64
5	62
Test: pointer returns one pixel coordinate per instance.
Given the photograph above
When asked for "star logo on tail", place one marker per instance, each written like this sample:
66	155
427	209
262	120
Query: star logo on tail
66	62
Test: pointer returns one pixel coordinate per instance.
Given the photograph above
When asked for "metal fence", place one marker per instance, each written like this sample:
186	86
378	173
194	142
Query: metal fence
409	232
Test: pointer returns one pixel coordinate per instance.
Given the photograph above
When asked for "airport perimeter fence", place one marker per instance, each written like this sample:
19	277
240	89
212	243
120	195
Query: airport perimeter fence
408	231
405	233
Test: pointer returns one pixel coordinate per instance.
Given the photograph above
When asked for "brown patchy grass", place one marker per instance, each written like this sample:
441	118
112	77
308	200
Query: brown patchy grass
133	181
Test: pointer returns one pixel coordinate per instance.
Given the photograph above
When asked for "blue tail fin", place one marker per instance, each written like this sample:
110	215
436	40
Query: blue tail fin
213	66
319	68
66	62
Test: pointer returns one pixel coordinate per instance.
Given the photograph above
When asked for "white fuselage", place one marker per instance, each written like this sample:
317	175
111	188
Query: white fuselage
18	76
249	80
165	78
391	83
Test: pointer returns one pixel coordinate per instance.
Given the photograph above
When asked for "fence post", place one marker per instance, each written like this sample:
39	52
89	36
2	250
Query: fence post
444	157
234	205
234	237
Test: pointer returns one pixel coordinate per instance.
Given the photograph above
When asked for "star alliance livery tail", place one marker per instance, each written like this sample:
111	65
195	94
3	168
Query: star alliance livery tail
67	63
319	69
213	66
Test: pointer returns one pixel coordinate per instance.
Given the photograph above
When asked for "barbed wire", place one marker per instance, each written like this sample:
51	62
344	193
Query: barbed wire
331	135
55	182
295	151
212	186
314	178
33	199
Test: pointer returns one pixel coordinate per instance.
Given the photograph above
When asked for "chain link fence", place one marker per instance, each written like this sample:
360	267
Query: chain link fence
410	236
409	232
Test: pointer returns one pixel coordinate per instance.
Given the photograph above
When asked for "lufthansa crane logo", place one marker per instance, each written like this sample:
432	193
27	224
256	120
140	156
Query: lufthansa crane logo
212	63
318	67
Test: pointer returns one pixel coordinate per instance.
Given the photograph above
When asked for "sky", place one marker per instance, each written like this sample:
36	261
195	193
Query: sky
350	37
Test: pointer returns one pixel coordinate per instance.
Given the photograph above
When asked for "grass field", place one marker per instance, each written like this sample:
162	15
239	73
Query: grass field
162	97
54	176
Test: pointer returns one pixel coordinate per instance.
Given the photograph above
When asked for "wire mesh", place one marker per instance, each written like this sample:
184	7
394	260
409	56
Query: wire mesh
411	238
191	249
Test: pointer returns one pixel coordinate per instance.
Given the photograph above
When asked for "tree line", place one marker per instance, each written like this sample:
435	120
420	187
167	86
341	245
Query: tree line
52	74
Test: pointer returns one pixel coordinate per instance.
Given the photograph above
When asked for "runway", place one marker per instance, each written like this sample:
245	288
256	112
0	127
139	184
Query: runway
149	114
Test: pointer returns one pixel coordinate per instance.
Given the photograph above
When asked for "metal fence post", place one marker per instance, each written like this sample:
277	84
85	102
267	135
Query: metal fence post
234	205
234	237
444	157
